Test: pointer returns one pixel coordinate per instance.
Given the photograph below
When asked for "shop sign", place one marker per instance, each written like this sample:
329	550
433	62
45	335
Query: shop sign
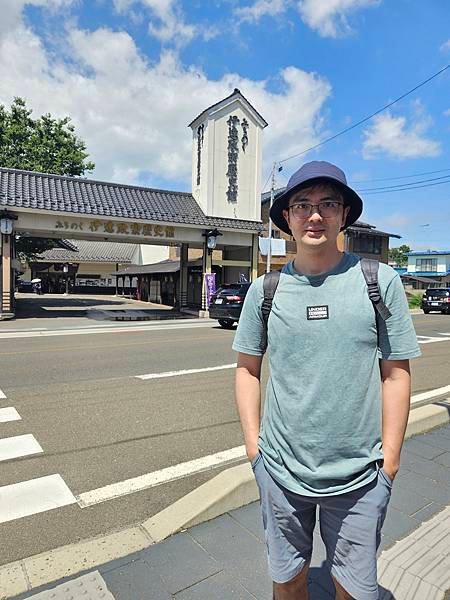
117	227
210	285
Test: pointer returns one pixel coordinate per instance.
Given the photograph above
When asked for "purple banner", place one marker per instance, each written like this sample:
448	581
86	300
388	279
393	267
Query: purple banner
210	286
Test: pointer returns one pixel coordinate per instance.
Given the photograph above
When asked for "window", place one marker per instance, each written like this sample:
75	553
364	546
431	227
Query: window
426	264
368	244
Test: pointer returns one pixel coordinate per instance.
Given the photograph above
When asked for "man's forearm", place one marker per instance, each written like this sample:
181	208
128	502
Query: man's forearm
248	400
396	394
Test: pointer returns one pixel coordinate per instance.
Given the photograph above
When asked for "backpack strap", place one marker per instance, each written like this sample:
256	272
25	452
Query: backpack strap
369	268
270	285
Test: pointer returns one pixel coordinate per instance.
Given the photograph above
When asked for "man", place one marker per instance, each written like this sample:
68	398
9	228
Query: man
337	401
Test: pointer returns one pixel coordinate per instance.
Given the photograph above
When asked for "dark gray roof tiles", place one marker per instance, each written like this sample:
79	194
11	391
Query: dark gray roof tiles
57	193
89	251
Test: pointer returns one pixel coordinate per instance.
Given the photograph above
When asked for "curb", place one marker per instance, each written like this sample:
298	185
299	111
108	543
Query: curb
230	489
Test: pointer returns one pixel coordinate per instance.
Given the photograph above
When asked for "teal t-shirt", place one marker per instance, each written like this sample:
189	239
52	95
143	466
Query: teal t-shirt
321	428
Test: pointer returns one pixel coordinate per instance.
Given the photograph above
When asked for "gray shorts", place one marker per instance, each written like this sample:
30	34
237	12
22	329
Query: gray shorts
350	527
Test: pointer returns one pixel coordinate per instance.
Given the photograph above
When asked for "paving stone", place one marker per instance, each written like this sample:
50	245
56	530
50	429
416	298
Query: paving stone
406	501
250	517
422	449
219	587
180	562
424	514
444	459
397	524
429	468
438	441
91	585
425	486
238	551
136	581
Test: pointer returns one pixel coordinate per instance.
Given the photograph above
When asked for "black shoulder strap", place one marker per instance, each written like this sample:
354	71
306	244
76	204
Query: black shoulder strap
369	268
270	285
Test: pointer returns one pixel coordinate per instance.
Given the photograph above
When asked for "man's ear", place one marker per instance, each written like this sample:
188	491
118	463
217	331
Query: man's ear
286	217
344	214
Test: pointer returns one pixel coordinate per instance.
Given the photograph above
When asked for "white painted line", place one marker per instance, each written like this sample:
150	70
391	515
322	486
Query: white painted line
9	414
19	445
424	339
34	496
149	480
92	330
2	395
437	392
184	372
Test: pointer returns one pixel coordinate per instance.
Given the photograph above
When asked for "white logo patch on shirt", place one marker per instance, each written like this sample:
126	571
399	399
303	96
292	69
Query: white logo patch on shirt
314	313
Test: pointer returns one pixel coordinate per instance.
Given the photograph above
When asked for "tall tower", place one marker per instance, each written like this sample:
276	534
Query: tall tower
226	159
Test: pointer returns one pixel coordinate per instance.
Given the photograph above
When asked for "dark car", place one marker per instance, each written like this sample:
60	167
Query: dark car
436	299
24	286
226	303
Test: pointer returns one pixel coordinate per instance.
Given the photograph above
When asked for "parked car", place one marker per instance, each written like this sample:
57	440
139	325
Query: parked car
226	304
24	286
436	299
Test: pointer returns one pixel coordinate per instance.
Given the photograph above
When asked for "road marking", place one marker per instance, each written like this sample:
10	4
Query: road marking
149	480
426	339
92	330
34	496
2	395
9	414
19	445
423	397
184	372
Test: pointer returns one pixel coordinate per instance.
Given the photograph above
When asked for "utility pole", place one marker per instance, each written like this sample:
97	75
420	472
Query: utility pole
272	191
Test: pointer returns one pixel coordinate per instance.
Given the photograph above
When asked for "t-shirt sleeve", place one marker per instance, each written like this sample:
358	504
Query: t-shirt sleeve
251	336
397	337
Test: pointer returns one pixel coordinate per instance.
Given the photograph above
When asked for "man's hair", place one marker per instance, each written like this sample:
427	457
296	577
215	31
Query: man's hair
329	185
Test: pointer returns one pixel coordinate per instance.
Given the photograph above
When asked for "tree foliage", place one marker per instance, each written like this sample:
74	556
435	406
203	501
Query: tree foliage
45	145
399	255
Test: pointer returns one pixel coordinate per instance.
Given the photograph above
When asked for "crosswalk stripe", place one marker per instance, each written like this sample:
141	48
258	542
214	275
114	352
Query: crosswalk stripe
2	395
19	445
9	414
34	496
149	480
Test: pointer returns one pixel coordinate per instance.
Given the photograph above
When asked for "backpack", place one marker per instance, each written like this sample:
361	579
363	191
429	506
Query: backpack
369	268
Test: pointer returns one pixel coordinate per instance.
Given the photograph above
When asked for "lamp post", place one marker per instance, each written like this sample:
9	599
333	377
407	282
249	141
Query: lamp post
211	239
6	222
66	271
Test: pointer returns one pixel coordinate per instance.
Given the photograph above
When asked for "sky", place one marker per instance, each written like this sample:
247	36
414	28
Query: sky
132	74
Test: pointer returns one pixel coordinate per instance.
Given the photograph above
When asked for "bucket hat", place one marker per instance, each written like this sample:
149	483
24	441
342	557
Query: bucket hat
313	173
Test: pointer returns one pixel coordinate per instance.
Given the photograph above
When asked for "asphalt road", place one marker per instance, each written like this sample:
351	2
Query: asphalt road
98	424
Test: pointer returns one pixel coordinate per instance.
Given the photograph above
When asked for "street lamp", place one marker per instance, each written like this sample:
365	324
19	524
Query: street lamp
6	222
211	239
66	271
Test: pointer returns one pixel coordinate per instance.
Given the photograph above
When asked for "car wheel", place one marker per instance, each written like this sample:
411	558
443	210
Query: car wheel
426	311
226	324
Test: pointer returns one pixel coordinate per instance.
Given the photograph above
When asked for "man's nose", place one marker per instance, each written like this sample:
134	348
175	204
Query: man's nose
315	214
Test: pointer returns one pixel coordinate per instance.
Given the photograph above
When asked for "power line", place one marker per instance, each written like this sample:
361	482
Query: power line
398	176
365	119
405	189
403	185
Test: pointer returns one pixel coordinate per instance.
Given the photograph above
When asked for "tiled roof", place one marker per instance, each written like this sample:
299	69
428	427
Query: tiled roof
87	251
236	93
28	189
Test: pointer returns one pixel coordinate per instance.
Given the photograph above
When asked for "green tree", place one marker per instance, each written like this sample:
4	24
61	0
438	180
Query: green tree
399	255
44	144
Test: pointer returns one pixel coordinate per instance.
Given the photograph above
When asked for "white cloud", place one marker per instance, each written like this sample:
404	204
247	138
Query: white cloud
329	17
445	46
11	11
133	114
261	8
394	137
447	112
167	24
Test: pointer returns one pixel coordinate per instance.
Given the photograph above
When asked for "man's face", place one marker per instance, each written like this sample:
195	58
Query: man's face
320	225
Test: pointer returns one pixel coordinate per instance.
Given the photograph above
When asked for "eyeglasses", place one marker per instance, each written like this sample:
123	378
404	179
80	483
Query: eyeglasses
326	209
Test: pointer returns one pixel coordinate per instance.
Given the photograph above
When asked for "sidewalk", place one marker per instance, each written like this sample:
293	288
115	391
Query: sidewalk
224	559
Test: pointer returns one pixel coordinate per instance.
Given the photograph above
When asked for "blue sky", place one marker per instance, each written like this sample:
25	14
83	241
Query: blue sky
133	73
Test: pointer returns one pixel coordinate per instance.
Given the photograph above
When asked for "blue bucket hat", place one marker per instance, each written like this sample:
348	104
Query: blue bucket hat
313	173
